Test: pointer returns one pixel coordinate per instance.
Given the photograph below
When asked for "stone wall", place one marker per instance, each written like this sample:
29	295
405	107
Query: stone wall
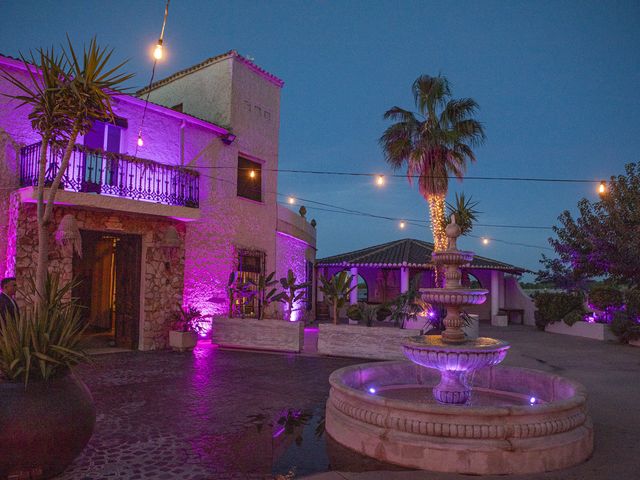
162	275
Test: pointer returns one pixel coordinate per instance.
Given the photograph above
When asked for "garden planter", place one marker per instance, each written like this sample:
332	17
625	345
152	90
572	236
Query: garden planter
596	331
43	428
251	333
381	343
182	341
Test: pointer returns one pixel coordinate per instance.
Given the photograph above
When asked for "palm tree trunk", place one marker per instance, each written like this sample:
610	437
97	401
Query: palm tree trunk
45	210
43	238
334	308
437	214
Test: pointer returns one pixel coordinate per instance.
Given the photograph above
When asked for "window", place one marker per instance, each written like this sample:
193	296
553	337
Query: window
250	266
98	168
249	179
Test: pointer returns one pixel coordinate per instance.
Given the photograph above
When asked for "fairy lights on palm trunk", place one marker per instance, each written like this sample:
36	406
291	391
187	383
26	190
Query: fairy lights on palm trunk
437	213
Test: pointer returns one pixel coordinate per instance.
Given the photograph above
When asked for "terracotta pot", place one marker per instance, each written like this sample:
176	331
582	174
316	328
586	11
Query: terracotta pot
43	428
182	341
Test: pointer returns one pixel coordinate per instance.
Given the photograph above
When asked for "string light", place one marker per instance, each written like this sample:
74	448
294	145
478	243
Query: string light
140	141
602	189
157	52
291	200
485	241
437	212
252	174
380	180
402	225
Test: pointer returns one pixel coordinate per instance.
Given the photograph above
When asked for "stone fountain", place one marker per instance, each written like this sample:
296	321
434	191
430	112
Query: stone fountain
518	421
450	353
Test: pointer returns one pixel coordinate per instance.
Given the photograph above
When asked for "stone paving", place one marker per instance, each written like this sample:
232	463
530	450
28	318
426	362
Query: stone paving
220	414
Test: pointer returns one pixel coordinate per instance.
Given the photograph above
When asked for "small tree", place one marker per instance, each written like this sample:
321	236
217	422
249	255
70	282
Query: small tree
265	291
336	291
66	95
602	241
292	293
465	212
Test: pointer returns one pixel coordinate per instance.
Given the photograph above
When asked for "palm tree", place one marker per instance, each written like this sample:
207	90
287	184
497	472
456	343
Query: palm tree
434	143
67	95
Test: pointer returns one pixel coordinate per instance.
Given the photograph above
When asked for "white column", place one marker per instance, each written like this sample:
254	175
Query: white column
495	293
404	279
353	296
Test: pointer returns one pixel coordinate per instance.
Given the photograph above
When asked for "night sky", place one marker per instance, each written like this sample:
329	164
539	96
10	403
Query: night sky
557	83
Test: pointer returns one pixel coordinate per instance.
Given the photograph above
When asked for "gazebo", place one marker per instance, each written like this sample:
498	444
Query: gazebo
384	271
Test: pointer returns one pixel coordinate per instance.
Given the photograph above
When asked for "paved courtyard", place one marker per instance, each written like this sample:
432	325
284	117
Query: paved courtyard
220	414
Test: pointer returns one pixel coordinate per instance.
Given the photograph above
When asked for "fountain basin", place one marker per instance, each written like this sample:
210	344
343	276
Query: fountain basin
498	432
456	362
454	297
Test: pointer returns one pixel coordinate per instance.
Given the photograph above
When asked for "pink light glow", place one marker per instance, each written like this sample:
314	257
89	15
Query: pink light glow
291	255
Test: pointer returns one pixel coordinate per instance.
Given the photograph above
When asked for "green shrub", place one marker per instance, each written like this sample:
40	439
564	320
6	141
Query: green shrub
42	342
556	306
354	312
383	312
632	300
605	298
624	327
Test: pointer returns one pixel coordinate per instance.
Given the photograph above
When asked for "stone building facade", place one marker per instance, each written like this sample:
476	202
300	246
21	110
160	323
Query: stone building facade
204	121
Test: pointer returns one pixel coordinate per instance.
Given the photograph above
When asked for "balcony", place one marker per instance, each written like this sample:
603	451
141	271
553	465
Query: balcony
117	176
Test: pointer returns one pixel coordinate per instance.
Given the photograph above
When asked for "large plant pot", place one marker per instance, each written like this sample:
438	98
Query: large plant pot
596	331
182	341
250	333
43	428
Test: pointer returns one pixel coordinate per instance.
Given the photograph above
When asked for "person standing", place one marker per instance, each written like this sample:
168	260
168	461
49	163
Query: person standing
8	306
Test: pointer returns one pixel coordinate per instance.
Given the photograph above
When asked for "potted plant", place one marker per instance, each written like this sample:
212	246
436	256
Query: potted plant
47	414
186	329
336	290
292	294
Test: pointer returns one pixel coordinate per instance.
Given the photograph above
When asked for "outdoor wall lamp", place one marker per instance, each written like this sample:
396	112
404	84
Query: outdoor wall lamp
170	245
228	138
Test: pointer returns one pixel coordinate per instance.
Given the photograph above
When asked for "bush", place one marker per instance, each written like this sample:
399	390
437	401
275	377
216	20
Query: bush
625	327
557	306
632	300
382	313
354	312
605	298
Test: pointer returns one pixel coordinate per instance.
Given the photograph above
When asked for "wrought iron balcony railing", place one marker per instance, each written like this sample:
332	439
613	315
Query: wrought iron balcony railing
115	174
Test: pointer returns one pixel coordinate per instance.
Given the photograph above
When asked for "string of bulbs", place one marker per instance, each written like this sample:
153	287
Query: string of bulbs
157	55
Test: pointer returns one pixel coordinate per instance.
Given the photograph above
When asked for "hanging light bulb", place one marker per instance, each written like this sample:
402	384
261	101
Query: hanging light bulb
291	200
157	52
380	180
602	189
140	142
252	174
485	241
402	225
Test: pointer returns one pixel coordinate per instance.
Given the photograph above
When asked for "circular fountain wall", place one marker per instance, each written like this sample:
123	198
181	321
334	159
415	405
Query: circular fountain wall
516	421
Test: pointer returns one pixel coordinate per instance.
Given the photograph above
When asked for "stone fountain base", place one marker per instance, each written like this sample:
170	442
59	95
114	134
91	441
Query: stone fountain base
502	430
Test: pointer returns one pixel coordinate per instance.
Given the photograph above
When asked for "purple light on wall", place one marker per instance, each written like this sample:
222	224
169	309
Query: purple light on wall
291	255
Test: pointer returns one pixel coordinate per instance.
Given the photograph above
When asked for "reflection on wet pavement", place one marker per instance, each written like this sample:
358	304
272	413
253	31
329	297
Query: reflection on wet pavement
210	414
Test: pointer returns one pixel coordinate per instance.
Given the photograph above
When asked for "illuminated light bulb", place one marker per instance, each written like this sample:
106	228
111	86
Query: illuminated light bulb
252	174
402	225
602	189
372	390
380	180
291	200
532	400
157	52
140	142
485	241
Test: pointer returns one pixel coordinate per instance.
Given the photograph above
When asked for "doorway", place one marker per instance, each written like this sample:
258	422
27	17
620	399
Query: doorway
109	288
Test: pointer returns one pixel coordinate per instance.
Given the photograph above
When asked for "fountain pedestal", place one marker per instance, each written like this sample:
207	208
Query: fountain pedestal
451	353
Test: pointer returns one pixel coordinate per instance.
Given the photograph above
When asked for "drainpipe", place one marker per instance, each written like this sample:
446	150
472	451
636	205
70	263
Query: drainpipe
182	126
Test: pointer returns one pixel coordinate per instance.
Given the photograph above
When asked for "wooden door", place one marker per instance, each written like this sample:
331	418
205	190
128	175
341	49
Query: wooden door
128	264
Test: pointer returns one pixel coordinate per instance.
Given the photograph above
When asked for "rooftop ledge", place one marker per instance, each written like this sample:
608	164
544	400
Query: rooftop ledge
113	203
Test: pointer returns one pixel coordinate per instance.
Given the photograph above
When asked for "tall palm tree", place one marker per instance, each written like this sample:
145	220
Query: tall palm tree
434	143
67	95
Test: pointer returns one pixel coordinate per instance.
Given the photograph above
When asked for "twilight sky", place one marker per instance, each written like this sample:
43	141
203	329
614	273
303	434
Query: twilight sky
557	83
